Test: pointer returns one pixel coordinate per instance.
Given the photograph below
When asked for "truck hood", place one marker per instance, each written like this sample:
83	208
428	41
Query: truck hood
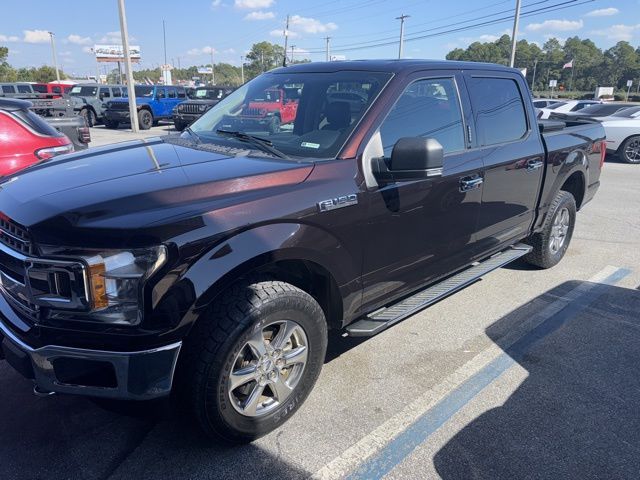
131	193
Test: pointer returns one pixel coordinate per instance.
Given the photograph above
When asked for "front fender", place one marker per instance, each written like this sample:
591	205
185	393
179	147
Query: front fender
235	256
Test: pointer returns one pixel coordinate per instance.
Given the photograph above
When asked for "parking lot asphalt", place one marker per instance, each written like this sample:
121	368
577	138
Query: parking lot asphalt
525	374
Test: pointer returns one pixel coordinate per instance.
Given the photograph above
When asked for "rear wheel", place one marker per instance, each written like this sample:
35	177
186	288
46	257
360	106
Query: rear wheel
550	245
274	125
145	119
180	126
113	124
630	150
252	360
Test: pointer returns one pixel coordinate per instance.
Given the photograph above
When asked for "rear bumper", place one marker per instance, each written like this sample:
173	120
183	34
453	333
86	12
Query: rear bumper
140	375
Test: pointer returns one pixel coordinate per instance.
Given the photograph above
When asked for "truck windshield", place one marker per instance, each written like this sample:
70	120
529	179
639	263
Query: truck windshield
301	114
631	112
553	106
208	93
79	91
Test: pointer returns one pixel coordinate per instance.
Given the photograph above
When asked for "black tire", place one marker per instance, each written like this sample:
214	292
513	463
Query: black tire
543	254
180	126
274	125
220	337
145	119
112	124
89	117
630	150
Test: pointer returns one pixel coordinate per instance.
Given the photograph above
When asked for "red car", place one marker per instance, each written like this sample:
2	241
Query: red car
272	108
25	138
55	90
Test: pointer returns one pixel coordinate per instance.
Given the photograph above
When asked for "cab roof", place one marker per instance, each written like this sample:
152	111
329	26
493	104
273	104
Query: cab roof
391	66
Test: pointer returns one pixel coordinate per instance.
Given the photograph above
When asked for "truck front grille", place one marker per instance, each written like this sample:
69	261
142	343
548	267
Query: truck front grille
189	108
14	236
119	106
252	112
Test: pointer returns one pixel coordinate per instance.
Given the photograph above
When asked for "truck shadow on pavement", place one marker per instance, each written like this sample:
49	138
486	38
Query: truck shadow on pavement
64	437
577	414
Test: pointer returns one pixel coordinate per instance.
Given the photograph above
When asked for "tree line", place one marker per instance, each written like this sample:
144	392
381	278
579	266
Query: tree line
592	67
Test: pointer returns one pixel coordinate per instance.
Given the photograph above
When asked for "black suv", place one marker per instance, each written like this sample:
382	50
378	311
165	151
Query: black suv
202	99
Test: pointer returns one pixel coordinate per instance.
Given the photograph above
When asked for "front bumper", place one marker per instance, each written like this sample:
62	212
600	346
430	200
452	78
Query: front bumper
186	118
117	115
140	375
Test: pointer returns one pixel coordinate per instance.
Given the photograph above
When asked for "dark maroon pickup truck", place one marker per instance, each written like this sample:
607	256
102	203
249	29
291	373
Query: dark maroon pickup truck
213	263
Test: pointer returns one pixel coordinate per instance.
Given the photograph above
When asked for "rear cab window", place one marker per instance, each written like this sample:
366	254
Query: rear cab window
36	123
498	110
25	89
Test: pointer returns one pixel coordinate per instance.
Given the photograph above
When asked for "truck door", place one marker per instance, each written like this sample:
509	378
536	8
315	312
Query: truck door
422	229
512	154
160	103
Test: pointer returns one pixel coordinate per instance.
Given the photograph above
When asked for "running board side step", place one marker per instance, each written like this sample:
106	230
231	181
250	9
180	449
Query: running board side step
385	317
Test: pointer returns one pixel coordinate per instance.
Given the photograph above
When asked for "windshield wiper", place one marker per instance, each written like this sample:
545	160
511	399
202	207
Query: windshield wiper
263	144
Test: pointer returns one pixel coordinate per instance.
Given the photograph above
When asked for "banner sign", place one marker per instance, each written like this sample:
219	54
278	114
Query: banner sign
115	53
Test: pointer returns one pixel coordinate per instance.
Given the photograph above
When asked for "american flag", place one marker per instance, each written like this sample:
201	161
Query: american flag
568	65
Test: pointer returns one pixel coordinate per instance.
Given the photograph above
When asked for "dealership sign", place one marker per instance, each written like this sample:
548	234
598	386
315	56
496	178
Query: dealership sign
115	53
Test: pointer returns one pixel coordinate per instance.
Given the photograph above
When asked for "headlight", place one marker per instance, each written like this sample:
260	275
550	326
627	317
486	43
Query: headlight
180	107
114	281
202	108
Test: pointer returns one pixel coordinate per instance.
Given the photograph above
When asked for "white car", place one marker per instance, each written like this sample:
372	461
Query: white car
566	106
623	134
543	102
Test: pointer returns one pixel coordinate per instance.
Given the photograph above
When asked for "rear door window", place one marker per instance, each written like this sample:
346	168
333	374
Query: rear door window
24	89
116	92
104	92
8	89
498	110
181	93
171	92
428	108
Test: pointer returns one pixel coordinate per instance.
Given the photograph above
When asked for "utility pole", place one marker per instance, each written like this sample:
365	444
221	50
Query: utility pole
286	40
165	74
242	69
533	80
133	109
401	18
213	75
293	47
55	57
327	57
516	20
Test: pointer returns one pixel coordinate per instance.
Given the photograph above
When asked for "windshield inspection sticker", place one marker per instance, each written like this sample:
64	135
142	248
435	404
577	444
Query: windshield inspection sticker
310	145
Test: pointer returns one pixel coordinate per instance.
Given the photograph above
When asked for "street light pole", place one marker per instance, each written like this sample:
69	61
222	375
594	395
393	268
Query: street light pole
516	20
533	80
293	47
131	91
55	57
242	69
401	18
327	56
286	39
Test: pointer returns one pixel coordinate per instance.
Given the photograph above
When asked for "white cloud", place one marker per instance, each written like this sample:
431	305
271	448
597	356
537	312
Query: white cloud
555	26
603	12
279	33
488	38
78	40
36	36
618	32
216	3
310	25
253	4
259	15
115	38
194	52
9	38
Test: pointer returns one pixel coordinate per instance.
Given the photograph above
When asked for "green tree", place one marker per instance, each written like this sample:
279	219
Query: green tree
263	56
7	73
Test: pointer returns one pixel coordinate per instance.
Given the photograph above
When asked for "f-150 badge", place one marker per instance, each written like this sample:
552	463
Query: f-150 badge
338	202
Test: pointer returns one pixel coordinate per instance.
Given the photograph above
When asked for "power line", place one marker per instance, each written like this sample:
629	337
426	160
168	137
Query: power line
539	11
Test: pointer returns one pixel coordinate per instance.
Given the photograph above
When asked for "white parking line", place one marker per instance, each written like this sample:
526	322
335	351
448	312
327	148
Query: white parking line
370	444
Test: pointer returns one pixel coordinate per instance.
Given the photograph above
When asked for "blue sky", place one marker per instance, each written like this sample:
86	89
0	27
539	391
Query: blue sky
230	27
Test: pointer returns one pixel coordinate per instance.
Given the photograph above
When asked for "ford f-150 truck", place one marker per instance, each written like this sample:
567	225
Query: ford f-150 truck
212	264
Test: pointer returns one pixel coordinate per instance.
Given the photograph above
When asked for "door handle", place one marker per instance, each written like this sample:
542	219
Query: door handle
534	165
470	183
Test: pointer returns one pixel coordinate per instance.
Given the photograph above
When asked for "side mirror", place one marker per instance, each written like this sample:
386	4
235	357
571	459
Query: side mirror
412	158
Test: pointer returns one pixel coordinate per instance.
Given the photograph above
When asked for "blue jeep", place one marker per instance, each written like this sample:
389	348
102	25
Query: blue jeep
154	102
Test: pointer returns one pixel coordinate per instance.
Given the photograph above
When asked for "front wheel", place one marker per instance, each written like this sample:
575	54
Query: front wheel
89	117
630	150
550	245
112	124
145	119
180	126
252	360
